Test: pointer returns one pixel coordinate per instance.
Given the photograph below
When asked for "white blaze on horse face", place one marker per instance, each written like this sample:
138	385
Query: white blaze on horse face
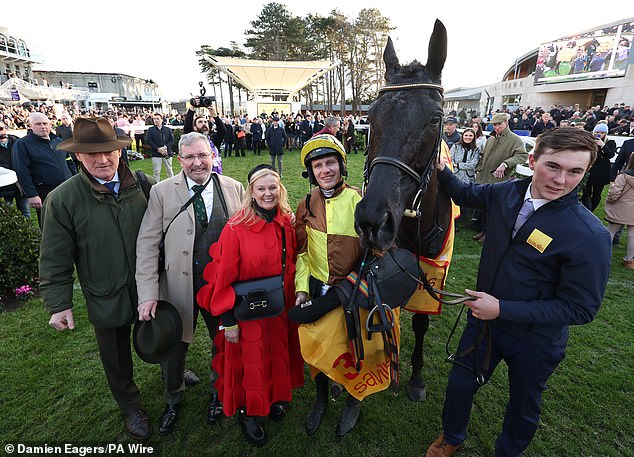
326	171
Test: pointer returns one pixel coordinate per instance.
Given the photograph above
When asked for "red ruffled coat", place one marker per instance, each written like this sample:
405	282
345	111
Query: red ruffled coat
266	363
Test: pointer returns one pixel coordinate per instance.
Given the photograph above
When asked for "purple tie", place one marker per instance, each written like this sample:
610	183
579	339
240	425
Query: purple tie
526	211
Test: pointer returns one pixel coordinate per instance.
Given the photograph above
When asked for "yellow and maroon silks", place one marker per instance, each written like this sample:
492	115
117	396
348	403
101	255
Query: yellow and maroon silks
437	268
324	343
325	347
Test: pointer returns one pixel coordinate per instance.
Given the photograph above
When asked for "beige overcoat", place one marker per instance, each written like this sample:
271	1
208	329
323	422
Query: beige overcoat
176	283
619	204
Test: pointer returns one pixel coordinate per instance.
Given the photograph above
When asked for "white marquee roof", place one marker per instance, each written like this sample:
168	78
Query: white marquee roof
263	77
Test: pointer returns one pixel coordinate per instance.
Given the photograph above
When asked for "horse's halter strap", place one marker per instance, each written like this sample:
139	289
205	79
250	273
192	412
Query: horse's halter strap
422	180
438	87
398	164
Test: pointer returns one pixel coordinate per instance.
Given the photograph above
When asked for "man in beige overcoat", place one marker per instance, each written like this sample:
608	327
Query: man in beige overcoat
191	233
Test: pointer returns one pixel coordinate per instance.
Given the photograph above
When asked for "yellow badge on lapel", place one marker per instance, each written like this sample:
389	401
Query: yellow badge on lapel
539	240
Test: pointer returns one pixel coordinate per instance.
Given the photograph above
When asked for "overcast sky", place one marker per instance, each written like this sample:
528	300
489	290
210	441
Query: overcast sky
158	42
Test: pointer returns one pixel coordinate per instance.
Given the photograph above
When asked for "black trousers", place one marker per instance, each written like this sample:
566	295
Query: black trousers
173	368
591	195
43	192
257	146
172	371
116	358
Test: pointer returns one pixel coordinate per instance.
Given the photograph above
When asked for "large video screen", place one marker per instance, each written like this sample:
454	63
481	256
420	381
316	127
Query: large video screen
602	53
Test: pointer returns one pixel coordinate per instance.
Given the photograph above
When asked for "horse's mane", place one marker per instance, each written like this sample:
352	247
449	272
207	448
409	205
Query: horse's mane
413	71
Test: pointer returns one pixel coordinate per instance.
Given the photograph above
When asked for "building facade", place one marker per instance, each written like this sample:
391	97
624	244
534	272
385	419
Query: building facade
590	68
107	90
15	58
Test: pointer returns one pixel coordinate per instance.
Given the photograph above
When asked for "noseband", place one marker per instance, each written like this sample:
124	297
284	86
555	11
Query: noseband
422	180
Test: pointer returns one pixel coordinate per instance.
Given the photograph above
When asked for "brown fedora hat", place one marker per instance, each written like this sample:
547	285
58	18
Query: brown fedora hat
93	134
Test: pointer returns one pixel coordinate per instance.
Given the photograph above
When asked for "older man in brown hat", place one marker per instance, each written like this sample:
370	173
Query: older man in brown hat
90	222
503	151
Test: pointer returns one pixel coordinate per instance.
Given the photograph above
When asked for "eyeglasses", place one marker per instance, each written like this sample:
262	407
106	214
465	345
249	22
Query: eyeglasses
192	157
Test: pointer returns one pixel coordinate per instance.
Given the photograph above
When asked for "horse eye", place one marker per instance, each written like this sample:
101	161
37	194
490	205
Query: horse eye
436	120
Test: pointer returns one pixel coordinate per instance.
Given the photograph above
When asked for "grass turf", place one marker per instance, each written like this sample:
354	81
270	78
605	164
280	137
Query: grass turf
52	387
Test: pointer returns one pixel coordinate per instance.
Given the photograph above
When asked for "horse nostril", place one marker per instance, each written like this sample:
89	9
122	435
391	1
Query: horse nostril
377	229
385	229
382	220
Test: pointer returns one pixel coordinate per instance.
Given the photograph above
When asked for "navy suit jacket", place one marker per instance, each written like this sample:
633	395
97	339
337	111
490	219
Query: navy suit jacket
157	138
552	274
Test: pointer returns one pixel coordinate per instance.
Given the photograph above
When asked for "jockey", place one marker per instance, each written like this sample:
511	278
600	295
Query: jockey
328	249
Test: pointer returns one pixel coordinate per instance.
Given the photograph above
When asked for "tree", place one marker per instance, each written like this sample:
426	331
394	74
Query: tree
276	34
214	75
339	34
366	57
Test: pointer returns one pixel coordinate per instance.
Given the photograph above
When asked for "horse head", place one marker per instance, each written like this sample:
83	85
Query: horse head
406	122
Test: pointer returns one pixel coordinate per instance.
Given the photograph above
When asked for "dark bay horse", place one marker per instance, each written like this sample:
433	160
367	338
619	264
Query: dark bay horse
406	123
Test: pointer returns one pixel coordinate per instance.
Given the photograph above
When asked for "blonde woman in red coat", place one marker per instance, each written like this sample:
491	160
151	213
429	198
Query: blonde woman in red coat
259	361
619	208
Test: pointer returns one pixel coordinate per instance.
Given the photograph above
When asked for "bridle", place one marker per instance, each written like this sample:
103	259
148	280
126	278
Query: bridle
422	181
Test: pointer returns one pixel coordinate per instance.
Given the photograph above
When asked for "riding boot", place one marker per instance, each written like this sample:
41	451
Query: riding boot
350	416
316	414
336	390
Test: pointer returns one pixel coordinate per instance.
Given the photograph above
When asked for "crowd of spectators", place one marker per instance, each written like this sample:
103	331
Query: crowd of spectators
533	121
298	126
617	120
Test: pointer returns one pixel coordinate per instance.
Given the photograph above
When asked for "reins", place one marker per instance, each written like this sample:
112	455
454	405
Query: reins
436	294
422	182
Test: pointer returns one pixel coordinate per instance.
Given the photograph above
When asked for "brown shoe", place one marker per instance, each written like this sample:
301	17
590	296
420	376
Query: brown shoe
477	236
481	240
441	448
628	264
137	424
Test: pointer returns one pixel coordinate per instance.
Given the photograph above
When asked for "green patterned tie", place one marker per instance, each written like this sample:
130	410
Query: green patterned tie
199	206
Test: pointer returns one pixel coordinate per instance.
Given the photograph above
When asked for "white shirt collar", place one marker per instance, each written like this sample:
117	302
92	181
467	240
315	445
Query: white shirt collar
537	202
114	179
191	183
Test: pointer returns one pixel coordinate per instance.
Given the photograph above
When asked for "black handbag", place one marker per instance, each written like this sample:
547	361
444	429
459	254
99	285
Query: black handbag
263	297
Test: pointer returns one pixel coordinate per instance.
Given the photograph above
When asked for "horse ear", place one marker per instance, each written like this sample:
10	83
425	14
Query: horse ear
437	52
391	61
